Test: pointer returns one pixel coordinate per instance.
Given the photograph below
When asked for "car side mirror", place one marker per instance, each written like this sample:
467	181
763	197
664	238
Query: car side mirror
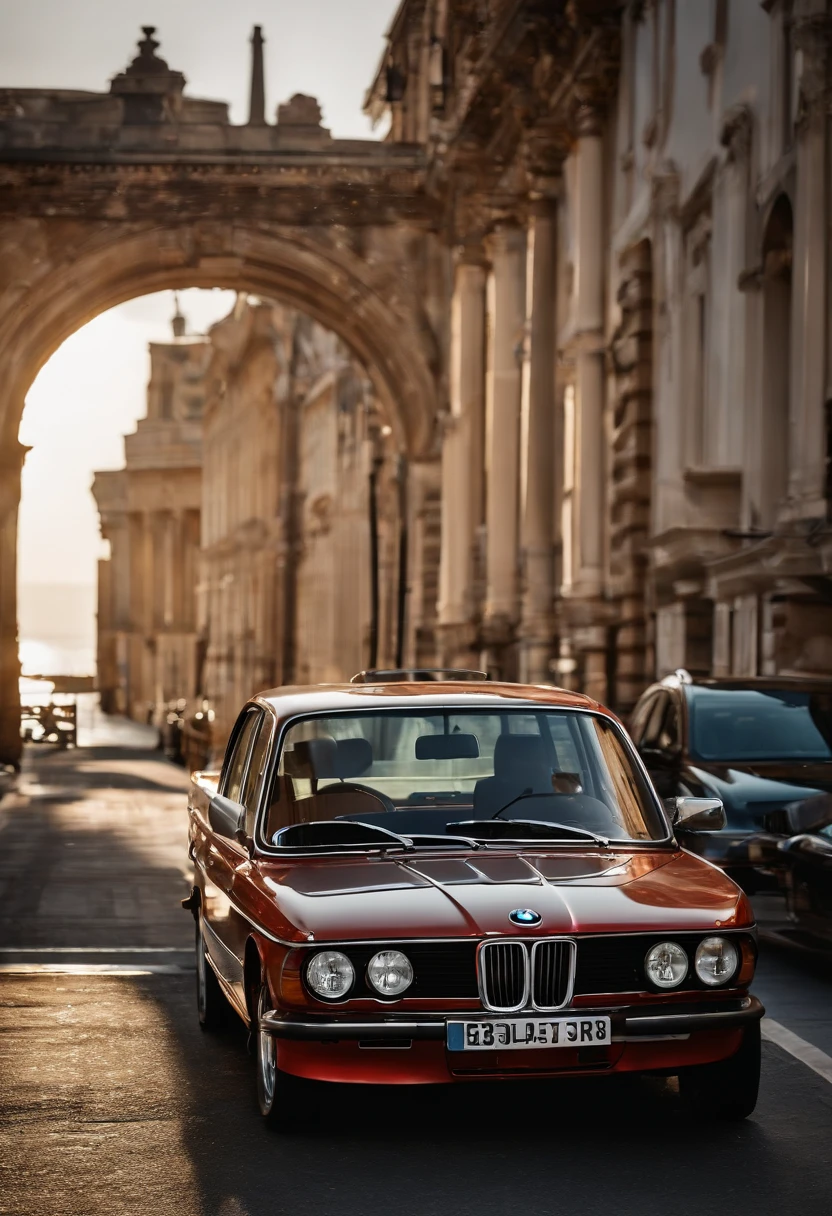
696	814
227	817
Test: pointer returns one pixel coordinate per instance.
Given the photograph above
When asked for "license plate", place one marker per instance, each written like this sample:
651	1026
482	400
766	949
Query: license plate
515	1033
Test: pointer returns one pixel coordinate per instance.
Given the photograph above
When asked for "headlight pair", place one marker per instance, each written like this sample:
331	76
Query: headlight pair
715	962
331	975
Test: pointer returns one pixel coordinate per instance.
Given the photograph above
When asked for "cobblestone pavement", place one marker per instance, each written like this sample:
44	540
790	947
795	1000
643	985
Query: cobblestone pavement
112	1101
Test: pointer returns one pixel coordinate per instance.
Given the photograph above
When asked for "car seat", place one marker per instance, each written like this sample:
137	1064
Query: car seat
520	765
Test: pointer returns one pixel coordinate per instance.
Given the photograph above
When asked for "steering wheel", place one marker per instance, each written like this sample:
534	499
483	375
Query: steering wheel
355	787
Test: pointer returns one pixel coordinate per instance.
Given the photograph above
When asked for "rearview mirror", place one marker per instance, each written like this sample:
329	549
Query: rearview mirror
227	818
447	747
696	814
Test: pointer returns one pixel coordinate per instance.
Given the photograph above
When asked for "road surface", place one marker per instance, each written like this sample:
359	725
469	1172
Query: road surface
112	1101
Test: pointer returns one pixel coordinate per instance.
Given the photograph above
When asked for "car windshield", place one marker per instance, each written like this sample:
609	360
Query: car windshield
759	724
429	772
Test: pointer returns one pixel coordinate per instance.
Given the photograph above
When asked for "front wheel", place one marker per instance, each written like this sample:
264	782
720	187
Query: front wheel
282	1098
728	1089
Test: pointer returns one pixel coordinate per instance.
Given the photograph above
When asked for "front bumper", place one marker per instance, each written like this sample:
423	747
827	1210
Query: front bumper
629	1023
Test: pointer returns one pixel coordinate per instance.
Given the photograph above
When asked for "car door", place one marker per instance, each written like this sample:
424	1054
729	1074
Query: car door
222	856
810	880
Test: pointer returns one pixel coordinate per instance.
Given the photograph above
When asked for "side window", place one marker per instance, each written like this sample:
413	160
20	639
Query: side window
231	783
254	775
641	715
653	725
670	735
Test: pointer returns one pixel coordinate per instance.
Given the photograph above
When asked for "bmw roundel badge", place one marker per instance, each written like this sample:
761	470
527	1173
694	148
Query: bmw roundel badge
525	916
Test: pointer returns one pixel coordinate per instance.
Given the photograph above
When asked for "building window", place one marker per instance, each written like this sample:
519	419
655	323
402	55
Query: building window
567	508
777	323
166	400
787	79
713	54
695	339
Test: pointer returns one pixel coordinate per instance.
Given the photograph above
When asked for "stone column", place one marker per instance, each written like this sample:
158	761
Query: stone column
11	464
538	467
179	588
589	370
506	315
589	635
462	448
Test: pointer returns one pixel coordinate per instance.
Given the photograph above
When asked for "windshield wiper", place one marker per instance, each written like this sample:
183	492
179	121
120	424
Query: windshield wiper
519	798
425	837
493	829
338	833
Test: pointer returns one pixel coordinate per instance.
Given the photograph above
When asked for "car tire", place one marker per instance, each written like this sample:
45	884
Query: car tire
727	1090
211	1005
282	1098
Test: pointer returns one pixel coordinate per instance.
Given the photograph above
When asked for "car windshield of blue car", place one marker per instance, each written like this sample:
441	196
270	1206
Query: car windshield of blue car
734	724
426	772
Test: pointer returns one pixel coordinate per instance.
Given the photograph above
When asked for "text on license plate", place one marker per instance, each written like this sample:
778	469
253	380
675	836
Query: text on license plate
529	1032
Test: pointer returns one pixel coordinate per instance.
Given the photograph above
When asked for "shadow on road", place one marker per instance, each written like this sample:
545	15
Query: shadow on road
582	1146
114	1101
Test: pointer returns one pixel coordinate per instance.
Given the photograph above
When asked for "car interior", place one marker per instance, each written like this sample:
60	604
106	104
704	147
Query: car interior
524	785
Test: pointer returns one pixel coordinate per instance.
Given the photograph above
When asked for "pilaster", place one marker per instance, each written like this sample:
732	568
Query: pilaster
812	35
11	465
462	458
506	315
540	467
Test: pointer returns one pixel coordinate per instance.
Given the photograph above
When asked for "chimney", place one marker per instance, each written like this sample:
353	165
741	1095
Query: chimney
257	102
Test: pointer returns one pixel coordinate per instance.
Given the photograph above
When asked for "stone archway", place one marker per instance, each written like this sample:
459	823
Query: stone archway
105	197
70	282
55	276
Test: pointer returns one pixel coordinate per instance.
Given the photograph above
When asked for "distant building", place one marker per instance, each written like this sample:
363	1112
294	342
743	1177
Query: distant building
148	646
244	551
291	440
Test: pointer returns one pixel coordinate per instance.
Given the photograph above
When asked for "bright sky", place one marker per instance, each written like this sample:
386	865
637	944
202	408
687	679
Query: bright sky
93	389
85	399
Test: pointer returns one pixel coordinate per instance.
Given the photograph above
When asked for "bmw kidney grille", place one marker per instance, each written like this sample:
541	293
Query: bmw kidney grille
513	974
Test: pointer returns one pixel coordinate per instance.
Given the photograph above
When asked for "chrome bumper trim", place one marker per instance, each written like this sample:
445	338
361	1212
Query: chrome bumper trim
329	1032
640	1026
629	1028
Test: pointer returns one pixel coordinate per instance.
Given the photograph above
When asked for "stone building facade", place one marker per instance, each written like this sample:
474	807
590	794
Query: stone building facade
636	455
148	644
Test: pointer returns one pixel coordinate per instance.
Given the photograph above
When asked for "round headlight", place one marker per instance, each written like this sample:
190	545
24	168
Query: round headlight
666	965
330	975
716	961
390	972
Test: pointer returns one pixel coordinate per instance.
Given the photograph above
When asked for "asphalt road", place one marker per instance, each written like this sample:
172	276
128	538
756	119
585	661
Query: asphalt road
112	1101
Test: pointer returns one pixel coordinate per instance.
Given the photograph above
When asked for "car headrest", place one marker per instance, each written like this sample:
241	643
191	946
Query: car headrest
312	758
518	755
447	747
355	757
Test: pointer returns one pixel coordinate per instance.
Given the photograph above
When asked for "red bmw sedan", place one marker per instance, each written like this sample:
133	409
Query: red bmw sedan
442	880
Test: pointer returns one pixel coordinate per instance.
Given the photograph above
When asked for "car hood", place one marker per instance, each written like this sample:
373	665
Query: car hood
427	896
749	791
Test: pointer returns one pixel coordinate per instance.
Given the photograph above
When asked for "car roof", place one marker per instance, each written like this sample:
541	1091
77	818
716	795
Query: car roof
747	683
321	698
